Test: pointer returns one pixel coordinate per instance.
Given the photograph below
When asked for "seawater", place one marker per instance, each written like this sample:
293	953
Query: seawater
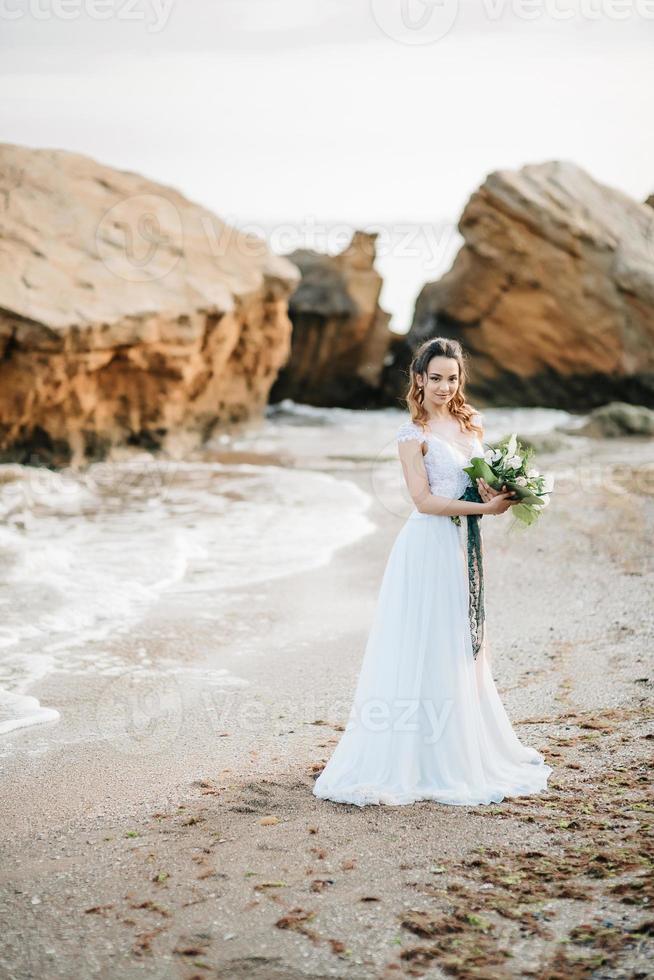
84	554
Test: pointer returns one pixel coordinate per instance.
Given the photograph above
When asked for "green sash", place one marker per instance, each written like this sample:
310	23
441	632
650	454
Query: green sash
475	571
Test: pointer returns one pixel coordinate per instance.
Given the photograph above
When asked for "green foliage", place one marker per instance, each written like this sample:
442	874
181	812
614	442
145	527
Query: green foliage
510	463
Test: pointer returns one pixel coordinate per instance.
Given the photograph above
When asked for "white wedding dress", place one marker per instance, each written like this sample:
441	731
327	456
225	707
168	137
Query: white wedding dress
427	721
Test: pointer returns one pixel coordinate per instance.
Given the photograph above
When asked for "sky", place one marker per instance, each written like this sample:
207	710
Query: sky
305	119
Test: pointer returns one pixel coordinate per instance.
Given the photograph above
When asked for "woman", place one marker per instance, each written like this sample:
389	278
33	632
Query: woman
427	722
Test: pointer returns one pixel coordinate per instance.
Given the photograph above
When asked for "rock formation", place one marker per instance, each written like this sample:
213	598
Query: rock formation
552	293
617	419
340	333
128	314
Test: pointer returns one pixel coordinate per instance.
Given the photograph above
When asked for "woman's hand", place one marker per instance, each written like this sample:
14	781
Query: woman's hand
486	492
499	503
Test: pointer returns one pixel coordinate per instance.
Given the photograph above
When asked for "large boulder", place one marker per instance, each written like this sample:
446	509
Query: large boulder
128	314
618	419
340	333
552	292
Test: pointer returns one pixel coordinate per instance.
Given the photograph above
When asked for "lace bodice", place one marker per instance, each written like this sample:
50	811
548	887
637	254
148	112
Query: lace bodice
444	462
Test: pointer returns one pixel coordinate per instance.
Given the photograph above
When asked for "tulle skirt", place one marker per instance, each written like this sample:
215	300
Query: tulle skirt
427	721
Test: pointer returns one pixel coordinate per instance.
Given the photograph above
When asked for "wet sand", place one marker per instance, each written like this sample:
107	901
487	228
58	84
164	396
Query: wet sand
184	841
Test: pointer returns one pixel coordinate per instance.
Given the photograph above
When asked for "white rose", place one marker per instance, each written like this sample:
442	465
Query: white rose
532	473
489	456
513	462
497	454
521	481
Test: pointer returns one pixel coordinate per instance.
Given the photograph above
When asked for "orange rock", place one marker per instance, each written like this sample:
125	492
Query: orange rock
552	293
340	333
128	313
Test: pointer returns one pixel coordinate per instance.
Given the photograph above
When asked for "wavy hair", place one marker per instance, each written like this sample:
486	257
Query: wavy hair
459	408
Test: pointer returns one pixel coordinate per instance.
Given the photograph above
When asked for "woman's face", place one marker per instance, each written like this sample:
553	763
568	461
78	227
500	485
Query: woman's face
441	381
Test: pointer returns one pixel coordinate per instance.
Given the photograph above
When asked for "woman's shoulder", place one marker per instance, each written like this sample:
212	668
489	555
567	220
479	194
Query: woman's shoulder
410	430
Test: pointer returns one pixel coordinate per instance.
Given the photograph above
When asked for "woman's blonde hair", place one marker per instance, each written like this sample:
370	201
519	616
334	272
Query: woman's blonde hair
459	408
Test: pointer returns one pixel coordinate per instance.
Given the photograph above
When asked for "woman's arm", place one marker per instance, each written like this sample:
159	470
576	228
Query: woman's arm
415	475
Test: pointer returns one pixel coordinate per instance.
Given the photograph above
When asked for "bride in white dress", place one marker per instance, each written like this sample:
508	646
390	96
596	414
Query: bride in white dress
427	721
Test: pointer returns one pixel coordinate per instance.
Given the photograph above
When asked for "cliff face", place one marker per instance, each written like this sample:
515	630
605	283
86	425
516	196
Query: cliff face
340	333
552	292
128	314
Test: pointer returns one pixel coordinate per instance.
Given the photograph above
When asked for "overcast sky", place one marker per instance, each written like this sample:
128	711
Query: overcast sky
315	112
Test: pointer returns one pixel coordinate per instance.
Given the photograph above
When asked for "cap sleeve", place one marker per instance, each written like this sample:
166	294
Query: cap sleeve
409	430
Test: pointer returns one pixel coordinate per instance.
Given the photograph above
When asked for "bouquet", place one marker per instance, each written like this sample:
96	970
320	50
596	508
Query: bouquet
510	464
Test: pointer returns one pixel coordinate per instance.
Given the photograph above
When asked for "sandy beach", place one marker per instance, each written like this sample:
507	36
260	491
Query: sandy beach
183	841
242	246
